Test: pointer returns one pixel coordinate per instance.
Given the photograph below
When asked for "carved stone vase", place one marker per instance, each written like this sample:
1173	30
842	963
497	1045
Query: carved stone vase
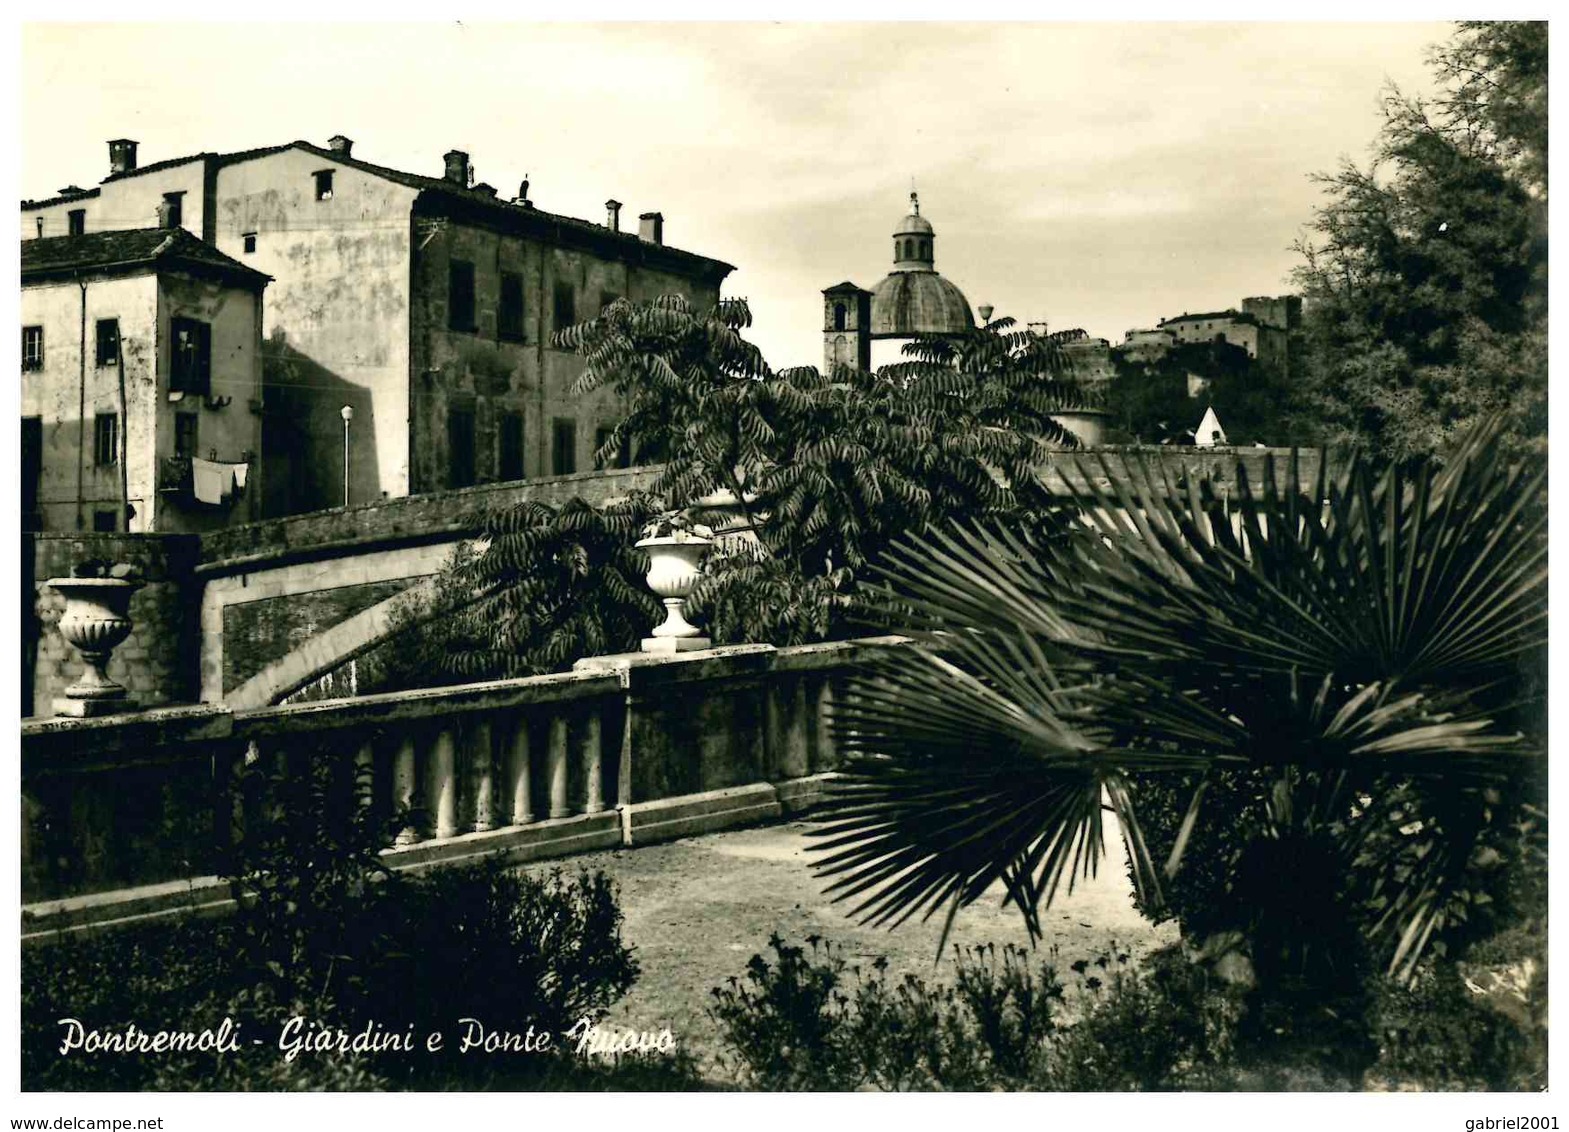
675	566
96	619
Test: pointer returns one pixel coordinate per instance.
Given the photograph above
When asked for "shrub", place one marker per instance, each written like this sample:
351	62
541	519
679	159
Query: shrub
803	1018
326	934
479	942
1479	1023
806	1019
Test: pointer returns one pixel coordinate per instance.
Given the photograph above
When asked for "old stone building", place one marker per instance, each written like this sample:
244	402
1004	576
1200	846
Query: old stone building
141	359
1262	327
425	305
1143	345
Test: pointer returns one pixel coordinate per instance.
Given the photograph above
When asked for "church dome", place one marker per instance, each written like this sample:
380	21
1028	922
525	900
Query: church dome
909	303
914	299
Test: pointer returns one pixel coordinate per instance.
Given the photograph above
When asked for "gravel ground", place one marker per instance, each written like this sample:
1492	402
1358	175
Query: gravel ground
697	909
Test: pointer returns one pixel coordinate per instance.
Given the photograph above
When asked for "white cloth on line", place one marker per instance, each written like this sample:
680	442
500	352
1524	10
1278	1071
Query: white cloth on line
209	481
239	476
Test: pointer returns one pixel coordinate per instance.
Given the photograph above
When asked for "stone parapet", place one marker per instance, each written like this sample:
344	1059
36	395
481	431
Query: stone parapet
128	817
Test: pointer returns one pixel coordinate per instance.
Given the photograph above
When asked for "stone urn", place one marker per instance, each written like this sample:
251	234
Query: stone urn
96	619
675	566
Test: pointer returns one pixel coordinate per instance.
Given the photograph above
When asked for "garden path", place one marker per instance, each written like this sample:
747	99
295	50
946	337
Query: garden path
697	909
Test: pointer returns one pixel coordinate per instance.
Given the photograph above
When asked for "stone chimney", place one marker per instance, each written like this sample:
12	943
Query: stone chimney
340	144
122	156
457	167
651	227
613	215
71	191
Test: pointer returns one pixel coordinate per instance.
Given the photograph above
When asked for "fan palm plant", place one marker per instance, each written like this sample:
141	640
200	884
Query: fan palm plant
1350	643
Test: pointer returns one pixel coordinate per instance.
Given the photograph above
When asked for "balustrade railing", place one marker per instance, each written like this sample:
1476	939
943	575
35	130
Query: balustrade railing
538	766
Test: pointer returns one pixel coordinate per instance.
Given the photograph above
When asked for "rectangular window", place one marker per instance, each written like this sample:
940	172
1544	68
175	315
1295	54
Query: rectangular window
509	465
32	347
509	314
103	522
563	448
106	439
324	185
108	341
249	240
460	446
565	306
460	295
186	437
175	203
190	360
76	222
620	458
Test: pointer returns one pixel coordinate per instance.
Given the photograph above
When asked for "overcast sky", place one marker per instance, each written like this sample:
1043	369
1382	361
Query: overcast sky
1094	175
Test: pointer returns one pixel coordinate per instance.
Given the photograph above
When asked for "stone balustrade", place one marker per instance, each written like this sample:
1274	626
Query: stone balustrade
129	816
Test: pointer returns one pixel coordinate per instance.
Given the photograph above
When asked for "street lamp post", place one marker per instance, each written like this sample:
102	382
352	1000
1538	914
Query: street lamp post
347	412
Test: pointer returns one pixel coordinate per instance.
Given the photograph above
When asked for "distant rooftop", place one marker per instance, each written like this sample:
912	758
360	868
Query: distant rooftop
128	250
1230	315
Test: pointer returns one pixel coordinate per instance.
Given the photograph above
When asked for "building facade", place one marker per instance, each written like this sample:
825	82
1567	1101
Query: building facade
424	305
1263	343
141	383
1090	359
1147	345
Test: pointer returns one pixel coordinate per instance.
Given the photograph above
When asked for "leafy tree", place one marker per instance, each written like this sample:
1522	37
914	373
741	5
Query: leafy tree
837	463
1358	655
1425	275
541	587
1150	402
822	472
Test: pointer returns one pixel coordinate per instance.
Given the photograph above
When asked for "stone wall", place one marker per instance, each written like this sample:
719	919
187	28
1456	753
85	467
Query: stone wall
326	565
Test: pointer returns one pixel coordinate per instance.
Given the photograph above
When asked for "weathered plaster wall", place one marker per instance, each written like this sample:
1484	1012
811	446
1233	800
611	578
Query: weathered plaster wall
127	202
55	394
335	326
230	432
480	371
157	663
144	306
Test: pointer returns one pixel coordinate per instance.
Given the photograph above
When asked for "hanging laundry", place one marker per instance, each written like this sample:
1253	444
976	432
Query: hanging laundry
239	476
210	482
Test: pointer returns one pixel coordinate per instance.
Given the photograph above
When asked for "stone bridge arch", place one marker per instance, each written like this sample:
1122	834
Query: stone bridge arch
284	601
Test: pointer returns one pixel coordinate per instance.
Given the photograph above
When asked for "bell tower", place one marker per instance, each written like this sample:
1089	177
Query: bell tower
847	327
